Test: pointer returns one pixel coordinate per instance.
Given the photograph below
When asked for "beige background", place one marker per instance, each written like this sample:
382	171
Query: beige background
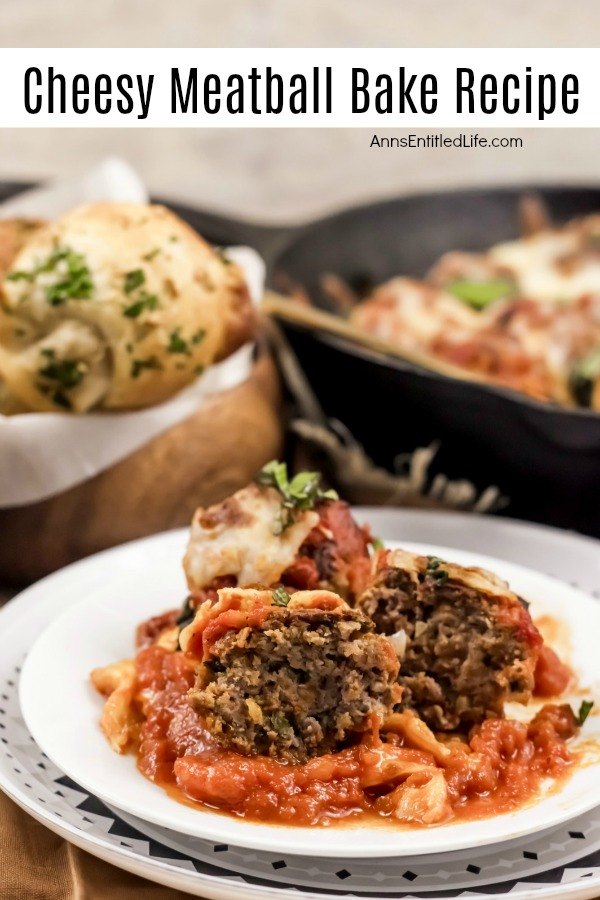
293	174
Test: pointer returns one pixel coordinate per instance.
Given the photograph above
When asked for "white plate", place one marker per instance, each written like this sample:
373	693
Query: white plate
62	710
562	863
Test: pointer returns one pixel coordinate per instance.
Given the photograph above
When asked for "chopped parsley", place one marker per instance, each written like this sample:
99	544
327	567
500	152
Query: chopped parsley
479	294
148	257
377	543
139	365
223	256
177	344
20	276
301	493
77	285
48	266
434	569
199	336
214	666
53	260
186	614
133	280
199	370
280	724
61	399
144	302
281	597
584	711
63	375
74	284
67	373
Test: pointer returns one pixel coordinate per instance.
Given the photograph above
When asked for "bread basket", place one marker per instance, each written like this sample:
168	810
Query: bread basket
74	483
200	460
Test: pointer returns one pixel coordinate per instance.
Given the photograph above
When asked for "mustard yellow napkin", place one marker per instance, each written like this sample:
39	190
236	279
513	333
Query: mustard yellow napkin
36	864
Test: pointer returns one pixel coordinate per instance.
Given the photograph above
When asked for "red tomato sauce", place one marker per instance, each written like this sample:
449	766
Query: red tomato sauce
342	547
499	770
552	676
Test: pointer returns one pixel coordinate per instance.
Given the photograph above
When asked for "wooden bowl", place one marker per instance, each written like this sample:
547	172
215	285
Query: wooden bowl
199	461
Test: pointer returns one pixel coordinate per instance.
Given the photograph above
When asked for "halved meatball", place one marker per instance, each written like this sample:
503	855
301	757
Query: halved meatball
288	677
466	642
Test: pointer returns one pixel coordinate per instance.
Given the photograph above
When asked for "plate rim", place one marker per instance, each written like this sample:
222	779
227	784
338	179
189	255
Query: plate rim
97	847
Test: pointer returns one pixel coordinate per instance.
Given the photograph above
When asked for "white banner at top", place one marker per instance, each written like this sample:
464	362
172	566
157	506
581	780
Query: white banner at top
299	87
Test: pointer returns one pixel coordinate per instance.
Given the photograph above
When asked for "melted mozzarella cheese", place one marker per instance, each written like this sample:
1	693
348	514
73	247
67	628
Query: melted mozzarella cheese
412	314
480	580
536	265
238	537
470	576
411	563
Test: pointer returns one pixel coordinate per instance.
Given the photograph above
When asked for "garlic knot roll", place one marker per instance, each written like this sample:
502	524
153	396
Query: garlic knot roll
116	306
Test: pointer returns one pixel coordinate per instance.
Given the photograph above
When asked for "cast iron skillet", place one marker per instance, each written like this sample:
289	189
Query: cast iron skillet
545	460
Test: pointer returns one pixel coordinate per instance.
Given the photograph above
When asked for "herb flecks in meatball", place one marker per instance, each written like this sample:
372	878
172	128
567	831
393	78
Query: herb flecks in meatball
288	676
